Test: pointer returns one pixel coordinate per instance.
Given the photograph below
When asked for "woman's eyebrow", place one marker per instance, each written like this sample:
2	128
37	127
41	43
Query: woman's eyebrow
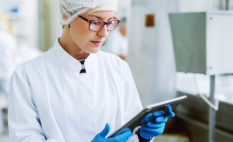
100	18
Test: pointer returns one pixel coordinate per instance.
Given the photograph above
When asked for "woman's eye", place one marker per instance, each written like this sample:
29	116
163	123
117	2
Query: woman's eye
96	22
111	22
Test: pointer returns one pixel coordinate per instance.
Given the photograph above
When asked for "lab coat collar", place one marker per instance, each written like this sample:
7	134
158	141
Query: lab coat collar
70	62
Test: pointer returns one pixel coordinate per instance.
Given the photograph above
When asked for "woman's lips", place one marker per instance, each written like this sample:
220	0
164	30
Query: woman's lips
97	43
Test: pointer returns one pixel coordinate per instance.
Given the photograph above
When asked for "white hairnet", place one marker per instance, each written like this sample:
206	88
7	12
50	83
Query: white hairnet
70	9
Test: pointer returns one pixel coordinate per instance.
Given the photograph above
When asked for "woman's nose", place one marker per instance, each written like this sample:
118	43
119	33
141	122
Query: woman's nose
103	32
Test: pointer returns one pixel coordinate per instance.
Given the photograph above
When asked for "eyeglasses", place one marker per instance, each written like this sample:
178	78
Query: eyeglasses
97	25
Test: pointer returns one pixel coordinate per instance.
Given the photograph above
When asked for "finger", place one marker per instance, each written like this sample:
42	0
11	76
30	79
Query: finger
121	137
158	113
169	112
154	125
158	120
153	130
168	108
161	119
122	131
151	116
105	131
148	117
149	134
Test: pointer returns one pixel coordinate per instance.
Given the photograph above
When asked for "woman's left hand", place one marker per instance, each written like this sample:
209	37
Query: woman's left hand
154	123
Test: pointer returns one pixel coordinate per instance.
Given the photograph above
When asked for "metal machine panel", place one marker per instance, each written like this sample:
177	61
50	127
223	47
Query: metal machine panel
188	33
219	38
203	42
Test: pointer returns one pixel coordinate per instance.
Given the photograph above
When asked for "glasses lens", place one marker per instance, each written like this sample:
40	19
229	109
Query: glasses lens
96	25
112	25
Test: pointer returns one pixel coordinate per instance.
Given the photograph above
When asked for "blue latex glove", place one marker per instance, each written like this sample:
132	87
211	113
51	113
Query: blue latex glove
154	123
122	136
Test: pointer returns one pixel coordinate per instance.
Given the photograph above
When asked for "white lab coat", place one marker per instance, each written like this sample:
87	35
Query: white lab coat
50	101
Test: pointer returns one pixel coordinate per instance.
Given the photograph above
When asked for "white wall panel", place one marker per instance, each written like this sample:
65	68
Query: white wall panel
150	50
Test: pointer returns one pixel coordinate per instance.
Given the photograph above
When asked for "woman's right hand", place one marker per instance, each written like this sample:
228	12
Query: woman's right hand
122	136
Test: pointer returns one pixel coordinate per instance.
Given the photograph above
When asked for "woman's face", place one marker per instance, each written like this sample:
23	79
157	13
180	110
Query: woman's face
86	40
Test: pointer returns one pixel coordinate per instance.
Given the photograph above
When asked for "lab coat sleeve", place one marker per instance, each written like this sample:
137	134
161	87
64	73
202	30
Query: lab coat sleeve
23	118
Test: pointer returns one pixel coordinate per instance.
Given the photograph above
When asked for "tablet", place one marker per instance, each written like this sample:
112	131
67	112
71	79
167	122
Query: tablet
135	122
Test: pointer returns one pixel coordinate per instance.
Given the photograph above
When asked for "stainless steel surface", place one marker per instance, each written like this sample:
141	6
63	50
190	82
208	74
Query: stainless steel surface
194	115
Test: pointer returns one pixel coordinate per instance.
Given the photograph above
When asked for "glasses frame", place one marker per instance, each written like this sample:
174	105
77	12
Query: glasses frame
105	23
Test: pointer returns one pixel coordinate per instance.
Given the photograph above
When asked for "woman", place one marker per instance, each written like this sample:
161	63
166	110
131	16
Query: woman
69	93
